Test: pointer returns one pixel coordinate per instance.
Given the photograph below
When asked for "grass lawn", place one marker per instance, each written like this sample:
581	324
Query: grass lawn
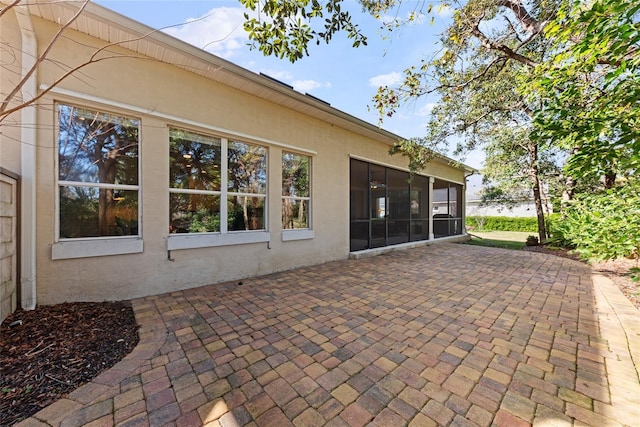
499	239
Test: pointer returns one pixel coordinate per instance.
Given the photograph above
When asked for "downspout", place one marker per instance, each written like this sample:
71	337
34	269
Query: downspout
29	119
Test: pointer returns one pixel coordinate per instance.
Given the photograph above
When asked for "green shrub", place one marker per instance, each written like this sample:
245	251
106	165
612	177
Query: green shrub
559	230
503	223
605	225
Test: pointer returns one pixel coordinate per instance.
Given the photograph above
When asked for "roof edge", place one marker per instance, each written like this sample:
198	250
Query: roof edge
113	18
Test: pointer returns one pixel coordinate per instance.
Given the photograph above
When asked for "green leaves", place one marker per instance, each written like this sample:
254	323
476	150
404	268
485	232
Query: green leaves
417	150
590	89
604	225
284	28
525	81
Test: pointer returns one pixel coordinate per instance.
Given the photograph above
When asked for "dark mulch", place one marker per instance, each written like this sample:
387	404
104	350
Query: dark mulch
48	352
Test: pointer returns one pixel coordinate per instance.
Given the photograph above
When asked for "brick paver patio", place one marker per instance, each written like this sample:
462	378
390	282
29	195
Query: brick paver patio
440	335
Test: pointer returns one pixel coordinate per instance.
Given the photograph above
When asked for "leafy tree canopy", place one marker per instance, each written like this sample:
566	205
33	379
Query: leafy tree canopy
284	28
589	90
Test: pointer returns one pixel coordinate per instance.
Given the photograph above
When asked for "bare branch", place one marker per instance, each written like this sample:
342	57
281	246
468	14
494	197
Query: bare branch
481	74
4	111
9	7
39	59
43	92
513	29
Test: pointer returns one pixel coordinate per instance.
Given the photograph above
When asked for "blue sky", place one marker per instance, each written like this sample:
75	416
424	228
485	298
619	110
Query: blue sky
337	73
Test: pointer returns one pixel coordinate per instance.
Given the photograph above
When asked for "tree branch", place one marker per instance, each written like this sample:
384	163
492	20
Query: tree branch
510	53
513	29
528	22
479	75
39	59
8	7
5	112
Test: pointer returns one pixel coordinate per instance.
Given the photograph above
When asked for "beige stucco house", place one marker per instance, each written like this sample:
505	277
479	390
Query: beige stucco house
161	167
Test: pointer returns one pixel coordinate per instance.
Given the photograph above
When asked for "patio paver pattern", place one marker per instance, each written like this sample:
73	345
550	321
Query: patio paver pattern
440	335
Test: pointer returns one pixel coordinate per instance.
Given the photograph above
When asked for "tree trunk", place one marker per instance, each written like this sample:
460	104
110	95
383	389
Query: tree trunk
567	194
609	179
300	211
569	188
537	193
245	212
107	168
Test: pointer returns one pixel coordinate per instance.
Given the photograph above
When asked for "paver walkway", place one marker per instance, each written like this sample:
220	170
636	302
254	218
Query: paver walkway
440	335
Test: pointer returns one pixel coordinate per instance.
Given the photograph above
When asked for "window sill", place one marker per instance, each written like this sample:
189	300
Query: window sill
302	234
96	247
194	241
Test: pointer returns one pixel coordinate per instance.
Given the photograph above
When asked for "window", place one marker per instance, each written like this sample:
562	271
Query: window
202	198
295	191
97	174
247	186
194	182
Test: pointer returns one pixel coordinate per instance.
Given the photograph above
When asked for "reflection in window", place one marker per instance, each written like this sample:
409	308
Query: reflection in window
199	194
247	186
295	191
246	213
247	168
419	207
97	173
194	182
387	206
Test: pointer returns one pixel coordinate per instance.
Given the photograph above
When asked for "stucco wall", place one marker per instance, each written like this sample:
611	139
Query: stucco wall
11	63
116	84
10	163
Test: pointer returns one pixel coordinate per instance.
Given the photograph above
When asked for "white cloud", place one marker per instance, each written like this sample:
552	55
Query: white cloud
418	17
444	11
280	75
426	109
390	79
475	159
219	31
308	85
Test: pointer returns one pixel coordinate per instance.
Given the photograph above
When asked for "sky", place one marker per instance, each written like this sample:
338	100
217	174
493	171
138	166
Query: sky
346	77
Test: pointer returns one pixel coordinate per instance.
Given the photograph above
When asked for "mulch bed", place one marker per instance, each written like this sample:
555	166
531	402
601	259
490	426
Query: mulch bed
48	352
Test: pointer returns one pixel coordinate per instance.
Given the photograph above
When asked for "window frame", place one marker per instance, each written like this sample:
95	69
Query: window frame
84	247
175	190
298	233
227	192
224	237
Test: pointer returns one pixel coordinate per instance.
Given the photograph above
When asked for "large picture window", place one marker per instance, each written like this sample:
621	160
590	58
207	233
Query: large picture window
97	173
296	198
205	199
